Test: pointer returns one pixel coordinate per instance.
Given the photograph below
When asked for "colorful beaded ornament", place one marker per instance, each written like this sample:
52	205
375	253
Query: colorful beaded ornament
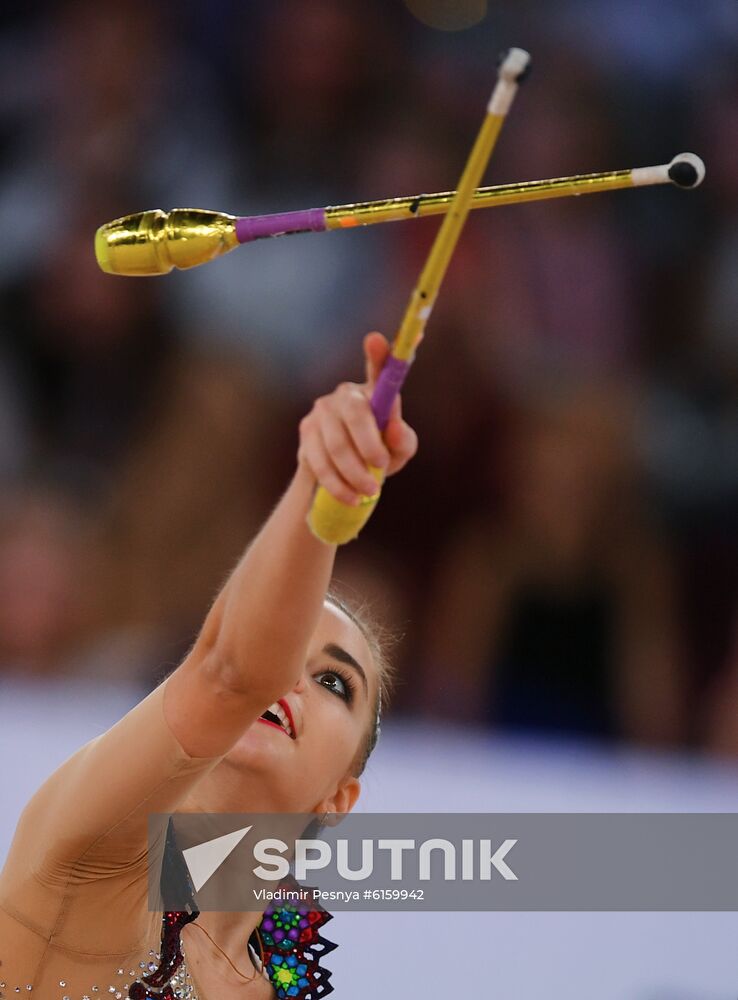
288	939
293	946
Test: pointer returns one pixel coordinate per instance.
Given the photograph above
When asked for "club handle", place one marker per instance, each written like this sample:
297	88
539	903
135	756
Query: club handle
389	383
330	520
335	522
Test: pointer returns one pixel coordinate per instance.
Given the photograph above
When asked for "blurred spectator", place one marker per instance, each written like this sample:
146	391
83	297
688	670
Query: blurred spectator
108	99
305	114
718	721
86	351
157	441
556	280
46	590
688	430
558	615
151	423
302	123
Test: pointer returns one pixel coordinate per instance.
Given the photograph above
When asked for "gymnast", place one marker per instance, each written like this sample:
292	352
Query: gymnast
74	919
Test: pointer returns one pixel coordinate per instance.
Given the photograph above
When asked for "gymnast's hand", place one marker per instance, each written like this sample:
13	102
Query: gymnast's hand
340	437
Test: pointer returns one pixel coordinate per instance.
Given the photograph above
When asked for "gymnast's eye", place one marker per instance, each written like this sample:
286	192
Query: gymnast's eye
336	682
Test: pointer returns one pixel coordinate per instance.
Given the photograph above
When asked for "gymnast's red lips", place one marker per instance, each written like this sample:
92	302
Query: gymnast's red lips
279	715
290	717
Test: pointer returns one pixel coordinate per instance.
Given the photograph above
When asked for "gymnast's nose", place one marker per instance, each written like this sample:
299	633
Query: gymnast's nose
301	683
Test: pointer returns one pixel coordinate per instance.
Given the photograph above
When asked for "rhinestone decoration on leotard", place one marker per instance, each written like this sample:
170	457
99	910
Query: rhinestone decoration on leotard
288	937
157	984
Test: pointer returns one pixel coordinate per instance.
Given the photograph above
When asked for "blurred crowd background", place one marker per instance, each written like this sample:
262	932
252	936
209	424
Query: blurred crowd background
561	557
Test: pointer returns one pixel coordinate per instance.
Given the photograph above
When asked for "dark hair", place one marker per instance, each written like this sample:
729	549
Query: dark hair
380	640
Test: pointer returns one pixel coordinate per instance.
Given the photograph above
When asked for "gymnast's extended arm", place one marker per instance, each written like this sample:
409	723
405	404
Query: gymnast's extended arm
252	646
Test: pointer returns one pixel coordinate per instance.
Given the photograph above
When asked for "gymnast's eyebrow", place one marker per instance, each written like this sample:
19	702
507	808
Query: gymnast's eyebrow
340	654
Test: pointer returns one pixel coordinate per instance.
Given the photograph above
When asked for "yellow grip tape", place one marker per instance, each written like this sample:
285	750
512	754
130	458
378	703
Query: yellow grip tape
333	521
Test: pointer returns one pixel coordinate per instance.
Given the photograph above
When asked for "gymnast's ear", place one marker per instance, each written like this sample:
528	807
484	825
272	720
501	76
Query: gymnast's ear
343	799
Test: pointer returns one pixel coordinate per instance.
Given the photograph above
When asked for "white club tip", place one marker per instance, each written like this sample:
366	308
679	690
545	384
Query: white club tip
687	170
515	65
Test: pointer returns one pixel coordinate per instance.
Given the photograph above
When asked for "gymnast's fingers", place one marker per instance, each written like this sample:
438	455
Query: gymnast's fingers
338	426
353	407
313	454
402	442
376	349
400	439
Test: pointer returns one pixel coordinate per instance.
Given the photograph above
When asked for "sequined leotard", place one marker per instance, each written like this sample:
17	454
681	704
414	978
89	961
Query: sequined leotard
290	946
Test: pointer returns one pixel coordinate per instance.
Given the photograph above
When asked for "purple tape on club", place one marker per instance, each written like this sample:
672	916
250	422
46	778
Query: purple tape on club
388	385
257	227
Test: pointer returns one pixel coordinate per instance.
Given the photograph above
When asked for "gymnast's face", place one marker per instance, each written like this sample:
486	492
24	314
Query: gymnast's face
330	712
